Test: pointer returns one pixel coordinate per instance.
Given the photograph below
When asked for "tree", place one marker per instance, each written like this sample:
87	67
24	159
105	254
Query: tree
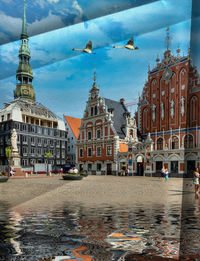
8	156
48	155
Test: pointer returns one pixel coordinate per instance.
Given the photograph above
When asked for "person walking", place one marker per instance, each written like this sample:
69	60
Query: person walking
166	174
196	181
163	173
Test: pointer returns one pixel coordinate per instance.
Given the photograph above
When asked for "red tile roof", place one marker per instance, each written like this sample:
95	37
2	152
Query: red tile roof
74	124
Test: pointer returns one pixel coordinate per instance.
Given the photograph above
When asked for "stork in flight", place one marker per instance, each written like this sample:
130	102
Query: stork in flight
87	49
129	45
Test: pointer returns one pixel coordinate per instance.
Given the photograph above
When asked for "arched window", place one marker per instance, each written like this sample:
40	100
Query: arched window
175	142
193	109
188	141
160	144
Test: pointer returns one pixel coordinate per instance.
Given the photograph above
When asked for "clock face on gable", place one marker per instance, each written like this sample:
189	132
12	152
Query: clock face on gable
25	92
167	74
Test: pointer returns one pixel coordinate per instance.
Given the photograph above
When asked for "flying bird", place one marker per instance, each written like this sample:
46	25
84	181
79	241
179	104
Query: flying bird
129	45
87	49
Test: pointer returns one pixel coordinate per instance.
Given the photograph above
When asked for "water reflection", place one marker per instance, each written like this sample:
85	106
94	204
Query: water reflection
80	233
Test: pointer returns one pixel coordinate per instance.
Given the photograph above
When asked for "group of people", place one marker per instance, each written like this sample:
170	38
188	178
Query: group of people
164	173
125	172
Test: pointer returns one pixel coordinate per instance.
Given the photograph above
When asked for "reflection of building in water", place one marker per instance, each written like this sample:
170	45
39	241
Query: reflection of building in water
168	115
38	129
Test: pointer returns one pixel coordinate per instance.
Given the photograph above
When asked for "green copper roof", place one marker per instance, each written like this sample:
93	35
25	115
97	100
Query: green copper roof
24	34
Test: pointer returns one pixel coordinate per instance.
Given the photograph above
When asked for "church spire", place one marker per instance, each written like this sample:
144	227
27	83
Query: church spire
167	38
24	34
94	92
24	75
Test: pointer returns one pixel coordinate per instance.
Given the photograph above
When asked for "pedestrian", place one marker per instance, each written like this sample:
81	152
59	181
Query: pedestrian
196	181
61	170
163	173
128	172
12	171
166	174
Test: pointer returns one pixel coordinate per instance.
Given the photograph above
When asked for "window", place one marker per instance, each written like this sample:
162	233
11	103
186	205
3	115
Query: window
95	110
39	151
89	152
89	135
109	150
57	143
188	141
45	142
98	151
39	142
32	150
57	153
63	144
98	166
175	142
24	138
68	148
92	110
98	134
24	162
24	150
81	153
32	140
89	167
2	118
63	154
160	144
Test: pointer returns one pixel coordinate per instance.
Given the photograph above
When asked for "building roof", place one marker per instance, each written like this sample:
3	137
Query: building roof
119	116
123	147
74	124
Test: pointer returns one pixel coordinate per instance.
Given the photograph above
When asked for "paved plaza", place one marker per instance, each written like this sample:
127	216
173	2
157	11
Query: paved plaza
95	190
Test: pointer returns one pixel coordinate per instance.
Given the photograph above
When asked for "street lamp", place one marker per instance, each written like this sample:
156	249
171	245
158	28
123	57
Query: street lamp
8	156
48	155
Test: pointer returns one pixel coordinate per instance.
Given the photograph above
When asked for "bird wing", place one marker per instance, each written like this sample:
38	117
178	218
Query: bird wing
130	41
89	45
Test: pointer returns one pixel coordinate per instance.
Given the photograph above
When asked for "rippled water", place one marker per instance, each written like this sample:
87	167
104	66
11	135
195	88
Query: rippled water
79	233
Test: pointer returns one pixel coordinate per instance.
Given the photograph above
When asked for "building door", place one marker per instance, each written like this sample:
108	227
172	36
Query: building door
109	169
140	169
159	165
190	166
174	166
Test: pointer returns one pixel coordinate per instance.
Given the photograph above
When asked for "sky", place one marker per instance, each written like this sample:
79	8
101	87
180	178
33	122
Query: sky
62	77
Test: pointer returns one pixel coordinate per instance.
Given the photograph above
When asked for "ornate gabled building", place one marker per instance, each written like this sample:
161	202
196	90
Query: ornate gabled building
105	131
38	129
168	114
72	126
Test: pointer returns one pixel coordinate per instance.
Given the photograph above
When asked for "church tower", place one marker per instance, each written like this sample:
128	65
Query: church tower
24	76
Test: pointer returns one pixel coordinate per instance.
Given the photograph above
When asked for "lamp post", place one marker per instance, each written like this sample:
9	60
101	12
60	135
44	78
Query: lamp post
48	155
8	156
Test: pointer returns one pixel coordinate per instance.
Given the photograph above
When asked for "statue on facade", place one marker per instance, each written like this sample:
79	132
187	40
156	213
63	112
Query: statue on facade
154	112
14	140
182	106
162	110
172	109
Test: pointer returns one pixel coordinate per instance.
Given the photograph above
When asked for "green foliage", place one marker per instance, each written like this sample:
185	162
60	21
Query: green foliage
48	154
8	152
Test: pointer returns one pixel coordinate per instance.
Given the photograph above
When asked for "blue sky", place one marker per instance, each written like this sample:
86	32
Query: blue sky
62	78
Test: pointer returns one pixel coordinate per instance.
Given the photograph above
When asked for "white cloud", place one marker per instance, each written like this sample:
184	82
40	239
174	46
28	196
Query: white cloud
53	1
9	53
10	24
50	22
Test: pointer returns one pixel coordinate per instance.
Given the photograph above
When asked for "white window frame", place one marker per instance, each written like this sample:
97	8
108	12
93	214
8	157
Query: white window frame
107	150
97	133
88	153
97	151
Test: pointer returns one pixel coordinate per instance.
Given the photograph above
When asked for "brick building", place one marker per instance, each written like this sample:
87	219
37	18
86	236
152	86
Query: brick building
105	131
168	117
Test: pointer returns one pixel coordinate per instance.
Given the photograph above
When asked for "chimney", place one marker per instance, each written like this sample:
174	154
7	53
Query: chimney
122	101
